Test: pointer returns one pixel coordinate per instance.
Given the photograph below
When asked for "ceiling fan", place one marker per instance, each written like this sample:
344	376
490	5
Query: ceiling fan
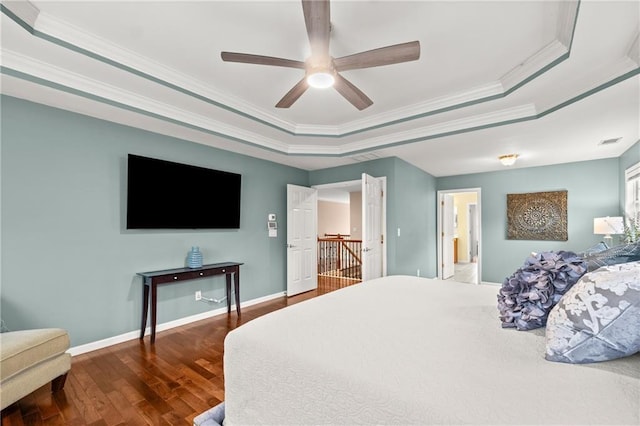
321	69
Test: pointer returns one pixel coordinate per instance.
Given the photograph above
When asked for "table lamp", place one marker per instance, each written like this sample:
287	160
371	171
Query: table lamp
607	226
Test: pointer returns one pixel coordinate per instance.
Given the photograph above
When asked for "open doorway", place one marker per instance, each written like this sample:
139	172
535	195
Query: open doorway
339	235
302	233
459	248
351	228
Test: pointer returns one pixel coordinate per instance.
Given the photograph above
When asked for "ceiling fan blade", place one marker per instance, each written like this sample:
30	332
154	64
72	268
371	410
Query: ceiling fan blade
260	60
351	93
317	19
388	55
293	94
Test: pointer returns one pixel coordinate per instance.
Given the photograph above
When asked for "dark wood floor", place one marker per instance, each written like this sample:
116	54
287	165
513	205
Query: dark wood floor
136	383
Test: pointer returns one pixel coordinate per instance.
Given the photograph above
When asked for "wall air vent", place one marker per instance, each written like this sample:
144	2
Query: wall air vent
609	141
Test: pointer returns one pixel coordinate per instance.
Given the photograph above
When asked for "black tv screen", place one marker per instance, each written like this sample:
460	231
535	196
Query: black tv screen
166	195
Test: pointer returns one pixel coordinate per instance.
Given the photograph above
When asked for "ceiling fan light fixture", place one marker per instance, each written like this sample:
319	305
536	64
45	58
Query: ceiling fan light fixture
321	79
508	159
323	70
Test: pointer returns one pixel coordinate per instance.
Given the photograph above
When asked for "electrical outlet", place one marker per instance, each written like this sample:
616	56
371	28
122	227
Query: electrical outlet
198	295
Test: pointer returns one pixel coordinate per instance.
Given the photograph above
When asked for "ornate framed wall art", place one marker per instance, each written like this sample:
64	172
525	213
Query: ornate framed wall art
537	216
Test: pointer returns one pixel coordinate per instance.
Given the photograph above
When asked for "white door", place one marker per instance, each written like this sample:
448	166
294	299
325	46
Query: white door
302	239
372	223
447	236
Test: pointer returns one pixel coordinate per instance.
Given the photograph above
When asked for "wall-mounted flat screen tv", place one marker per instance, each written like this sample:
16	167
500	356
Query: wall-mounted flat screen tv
166	195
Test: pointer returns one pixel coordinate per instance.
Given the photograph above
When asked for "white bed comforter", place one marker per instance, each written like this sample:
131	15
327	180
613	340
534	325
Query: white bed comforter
406	350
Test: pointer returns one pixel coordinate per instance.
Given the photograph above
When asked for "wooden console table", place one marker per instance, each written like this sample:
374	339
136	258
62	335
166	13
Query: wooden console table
152	279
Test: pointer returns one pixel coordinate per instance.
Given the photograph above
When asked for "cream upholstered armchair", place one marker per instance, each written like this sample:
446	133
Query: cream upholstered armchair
30	359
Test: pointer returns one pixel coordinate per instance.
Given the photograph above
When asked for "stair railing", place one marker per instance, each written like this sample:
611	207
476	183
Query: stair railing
339	257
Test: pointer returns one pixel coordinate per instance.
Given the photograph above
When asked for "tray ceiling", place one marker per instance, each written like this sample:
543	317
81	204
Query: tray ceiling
547	80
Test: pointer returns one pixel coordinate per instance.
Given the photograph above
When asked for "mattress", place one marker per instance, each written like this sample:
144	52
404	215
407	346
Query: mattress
408	350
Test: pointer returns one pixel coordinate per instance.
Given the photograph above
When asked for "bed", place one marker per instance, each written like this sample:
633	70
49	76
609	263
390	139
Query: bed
408	350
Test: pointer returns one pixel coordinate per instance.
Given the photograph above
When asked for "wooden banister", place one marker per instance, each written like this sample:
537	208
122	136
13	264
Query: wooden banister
346	247
340	257
337	236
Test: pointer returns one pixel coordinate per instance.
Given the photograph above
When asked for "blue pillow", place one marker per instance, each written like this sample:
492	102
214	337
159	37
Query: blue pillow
598	319
623	253
596	248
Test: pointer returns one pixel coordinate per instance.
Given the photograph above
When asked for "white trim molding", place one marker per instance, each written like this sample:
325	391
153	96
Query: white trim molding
60	32
634	50
535	63
110	341
567	16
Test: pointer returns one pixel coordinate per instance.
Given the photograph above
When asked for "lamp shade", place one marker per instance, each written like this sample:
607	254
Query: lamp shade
608	225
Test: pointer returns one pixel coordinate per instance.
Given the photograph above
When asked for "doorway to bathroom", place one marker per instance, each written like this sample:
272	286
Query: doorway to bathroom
459	245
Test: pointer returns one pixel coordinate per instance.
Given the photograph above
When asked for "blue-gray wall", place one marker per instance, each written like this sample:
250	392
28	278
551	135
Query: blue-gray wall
410	207
67	260
627	159
592	192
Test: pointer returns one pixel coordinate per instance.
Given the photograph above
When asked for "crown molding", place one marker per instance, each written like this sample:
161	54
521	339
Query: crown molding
23	9
92	89
530	68
508	115
318	130
522	112
634	50
567	16
411	112
587	82
536	63
122	58
68	36
116	97
315	150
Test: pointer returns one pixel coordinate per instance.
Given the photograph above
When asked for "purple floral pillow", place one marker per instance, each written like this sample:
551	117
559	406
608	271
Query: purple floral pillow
527	296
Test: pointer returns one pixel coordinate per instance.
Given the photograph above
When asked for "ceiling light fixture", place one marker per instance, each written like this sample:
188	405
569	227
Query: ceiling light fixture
321	79
609	141
321	74
508	159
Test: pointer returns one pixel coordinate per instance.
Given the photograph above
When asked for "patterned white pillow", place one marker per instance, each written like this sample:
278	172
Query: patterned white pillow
598	319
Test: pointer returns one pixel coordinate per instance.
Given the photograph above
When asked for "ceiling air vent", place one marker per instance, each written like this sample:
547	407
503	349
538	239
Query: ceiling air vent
365	157
609	141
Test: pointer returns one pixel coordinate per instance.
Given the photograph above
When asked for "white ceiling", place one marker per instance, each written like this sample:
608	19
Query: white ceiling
546	80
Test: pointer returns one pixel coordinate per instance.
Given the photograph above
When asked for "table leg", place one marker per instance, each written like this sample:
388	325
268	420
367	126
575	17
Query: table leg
236	285
228	277
145	308
154	305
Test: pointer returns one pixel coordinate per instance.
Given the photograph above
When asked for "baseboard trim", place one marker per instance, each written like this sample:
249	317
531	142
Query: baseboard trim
110	341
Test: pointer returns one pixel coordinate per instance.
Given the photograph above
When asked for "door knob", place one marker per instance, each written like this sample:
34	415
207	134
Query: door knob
290	245
366	249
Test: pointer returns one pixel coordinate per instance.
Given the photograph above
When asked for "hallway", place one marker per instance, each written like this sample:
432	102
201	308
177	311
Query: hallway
465	273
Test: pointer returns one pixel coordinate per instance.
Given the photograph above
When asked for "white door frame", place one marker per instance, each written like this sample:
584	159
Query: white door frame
439	226
446	237
358	183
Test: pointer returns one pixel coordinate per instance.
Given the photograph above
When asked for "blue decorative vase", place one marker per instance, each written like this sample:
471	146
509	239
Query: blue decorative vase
194	258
